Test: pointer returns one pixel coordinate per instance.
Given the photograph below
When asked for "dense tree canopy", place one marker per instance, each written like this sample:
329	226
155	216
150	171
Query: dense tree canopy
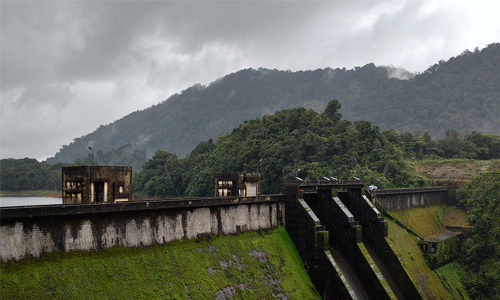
29	174
481	257
296	142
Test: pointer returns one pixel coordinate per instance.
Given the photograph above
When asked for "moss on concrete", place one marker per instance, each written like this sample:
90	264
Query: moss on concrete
424	221
385	292
451	275
406	248
455	216
250	266
447	250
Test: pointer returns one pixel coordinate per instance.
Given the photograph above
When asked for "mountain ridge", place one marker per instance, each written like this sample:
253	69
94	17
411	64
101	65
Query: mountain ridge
461	93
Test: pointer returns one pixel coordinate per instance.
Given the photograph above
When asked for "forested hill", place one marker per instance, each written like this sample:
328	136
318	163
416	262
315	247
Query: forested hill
462	93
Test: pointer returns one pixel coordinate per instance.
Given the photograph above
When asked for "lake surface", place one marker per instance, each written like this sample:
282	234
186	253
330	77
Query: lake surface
28	201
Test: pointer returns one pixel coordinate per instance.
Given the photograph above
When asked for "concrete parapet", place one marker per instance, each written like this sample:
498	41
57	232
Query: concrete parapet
68	209
26	232
398	199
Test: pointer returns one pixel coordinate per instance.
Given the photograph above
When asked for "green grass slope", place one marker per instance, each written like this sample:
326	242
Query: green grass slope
444	282
451	275
249	266
424	221
406	247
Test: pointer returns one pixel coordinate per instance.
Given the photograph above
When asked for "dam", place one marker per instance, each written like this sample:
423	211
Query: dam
337	228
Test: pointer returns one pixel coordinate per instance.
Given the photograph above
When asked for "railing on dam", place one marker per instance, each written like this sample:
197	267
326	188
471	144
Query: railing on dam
326	183
68	209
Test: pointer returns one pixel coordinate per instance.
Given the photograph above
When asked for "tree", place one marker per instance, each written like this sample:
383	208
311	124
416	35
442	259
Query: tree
332	111
161	176
481	198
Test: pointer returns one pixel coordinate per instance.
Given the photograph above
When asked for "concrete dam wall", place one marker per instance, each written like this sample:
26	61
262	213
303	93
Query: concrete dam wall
398	199
33	231
339	231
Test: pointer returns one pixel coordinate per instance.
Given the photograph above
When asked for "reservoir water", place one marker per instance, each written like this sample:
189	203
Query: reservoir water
28	201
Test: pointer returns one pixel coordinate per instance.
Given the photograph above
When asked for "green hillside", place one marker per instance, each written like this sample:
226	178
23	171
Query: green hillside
248	266
461	93
296	142
481	253
307	144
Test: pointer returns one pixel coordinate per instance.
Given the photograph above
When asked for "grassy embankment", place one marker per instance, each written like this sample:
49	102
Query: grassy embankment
443	283
248	266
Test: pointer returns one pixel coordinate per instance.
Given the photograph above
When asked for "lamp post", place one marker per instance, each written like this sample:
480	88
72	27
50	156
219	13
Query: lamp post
92	155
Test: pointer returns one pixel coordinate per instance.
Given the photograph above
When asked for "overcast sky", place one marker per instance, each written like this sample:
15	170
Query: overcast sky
68	67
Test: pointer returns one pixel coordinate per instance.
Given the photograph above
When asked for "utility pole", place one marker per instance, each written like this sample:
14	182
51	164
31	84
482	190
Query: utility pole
92	155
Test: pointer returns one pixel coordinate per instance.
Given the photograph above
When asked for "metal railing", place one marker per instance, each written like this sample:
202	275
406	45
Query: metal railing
325	181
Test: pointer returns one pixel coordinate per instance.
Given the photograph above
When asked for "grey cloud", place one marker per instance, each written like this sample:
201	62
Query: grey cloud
409	36
62	57
37	95
65	40
71	41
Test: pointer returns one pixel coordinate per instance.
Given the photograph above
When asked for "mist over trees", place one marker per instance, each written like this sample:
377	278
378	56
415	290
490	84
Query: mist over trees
461	93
